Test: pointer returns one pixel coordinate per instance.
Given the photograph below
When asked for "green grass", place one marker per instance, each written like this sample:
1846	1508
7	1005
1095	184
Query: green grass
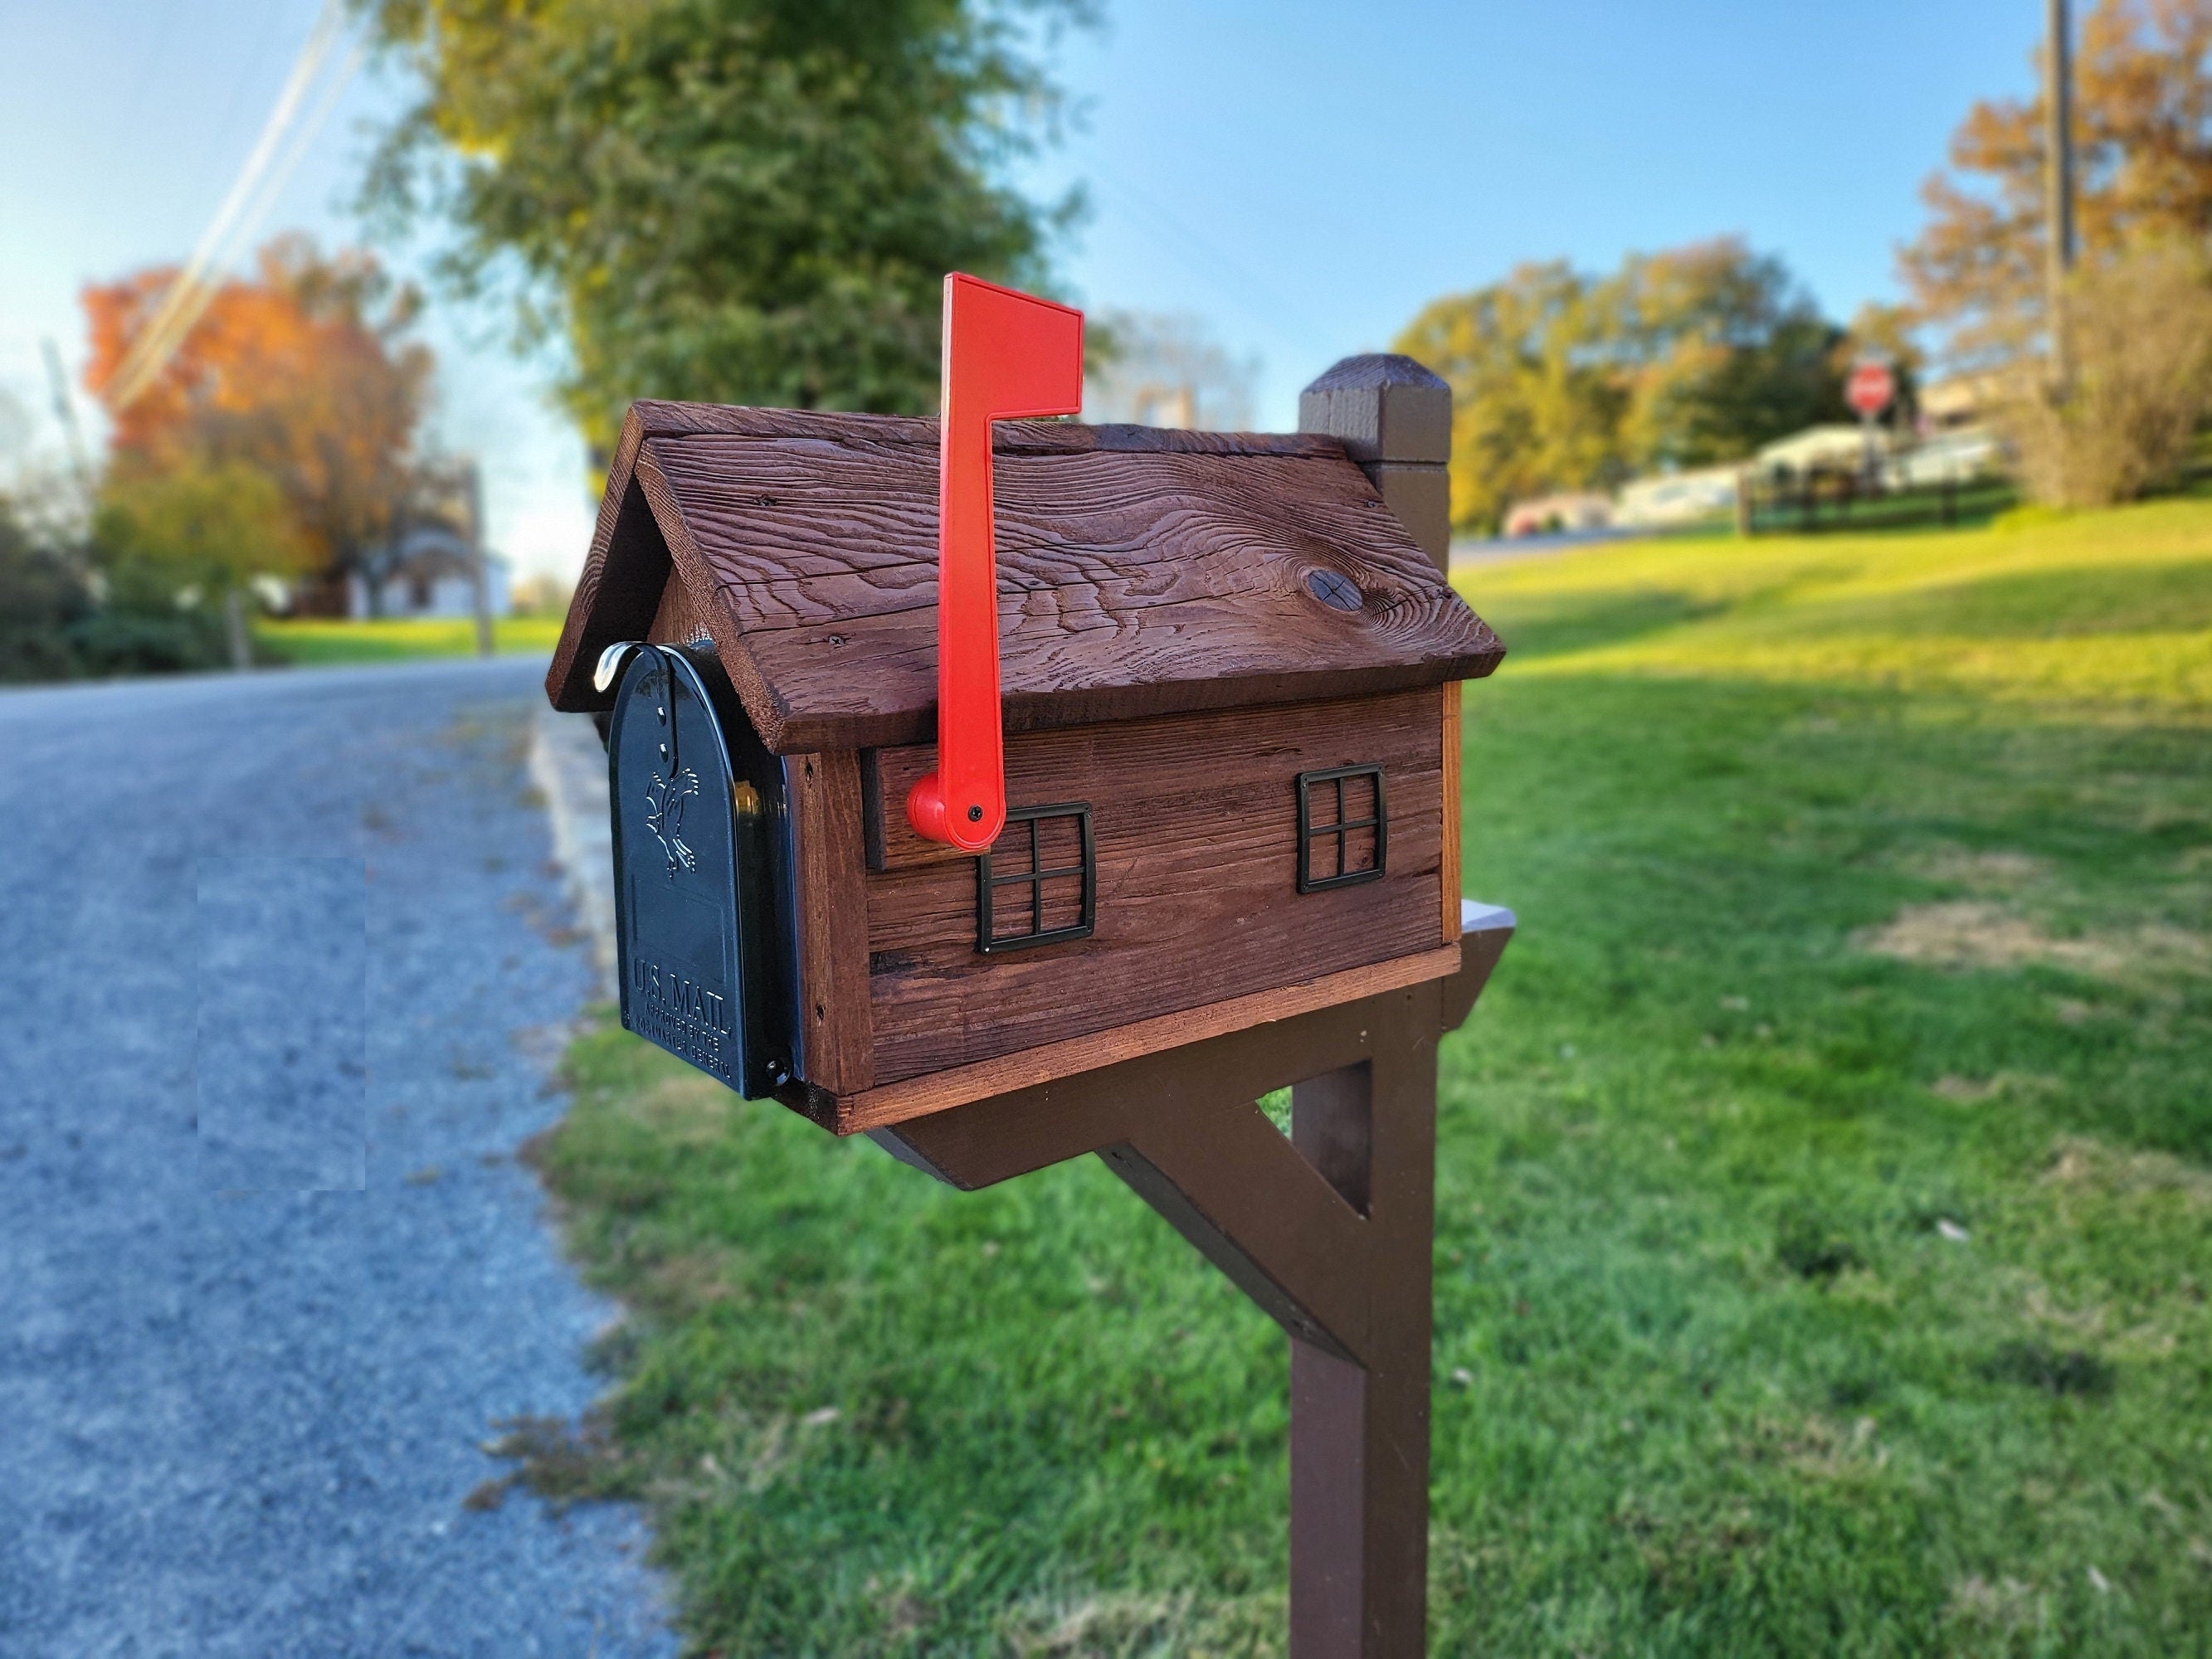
321	644
1824	1221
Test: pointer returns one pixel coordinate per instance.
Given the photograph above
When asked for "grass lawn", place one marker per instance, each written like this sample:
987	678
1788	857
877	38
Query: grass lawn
317	644
1825	1209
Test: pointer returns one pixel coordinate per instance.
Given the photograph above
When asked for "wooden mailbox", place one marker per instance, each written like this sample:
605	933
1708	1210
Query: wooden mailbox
1231	679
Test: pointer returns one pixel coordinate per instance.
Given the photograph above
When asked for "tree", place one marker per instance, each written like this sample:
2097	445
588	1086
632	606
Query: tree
751	201
1533	409
1722	352
1562	381
2142	124
304	375
194	531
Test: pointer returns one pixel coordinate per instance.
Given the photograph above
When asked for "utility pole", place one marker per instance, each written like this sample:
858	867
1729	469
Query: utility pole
65	412
2058	188
479	575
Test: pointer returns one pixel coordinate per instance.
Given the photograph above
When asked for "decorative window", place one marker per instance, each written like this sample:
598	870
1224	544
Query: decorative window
1039	883
1343	828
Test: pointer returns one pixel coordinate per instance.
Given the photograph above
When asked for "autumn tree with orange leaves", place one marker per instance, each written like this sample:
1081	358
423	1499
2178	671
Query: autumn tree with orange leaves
2143	131
2118	420
303	372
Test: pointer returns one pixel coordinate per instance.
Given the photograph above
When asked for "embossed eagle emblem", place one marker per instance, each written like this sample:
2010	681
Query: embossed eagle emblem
663	816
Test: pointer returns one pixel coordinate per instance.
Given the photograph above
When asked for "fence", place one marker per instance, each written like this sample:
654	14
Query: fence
1816	500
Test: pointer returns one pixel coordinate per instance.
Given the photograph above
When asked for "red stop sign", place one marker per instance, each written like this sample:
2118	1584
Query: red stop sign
1870	388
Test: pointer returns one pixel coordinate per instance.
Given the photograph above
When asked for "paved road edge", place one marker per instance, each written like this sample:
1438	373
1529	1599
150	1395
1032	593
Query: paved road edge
569	767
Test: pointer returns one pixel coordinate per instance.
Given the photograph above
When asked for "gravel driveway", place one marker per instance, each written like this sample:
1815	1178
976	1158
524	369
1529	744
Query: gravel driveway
282	970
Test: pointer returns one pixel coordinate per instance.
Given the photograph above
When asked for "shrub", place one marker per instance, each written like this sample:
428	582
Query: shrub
55	626
2142	335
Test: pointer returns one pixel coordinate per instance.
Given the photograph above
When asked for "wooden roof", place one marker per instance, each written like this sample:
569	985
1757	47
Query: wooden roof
1140	571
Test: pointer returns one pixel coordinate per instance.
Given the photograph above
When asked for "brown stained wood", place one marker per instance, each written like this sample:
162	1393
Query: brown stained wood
838	1046
983	1142
892	843
753	692
1449	886
1418	494
1480	946
601	613
886	777
922	1096
1130	584
1141	572
606	601
1353	1294
1195	819
1380	408
680	620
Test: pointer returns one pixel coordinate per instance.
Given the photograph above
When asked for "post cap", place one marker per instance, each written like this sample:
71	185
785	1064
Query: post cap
1384	407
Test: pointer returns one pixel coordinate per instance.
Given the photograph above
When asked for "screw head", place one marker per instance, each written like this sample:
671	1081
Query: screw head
974	815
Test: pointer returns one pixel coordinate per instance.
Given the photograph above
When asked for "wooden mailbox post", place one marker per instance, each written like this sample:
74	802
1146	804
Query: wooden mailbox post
1230	670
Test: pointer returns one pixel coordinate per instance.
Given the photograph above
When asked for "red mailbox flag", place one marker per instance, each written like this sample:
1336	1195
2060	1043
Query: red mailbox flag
1008	356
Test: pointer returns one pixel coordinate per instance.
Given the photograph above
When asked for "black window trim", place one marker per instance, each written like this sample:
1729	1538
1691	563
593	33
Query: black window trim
1034	878
1309	832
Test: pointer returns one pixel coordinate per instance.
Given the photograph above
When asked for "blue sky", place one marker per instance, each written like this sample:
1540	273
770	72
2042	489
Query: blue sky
1303	176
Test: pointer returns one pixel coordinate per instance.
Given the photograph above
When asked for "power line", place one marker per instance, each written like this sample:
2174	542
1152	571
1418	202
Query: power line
268	165
65	412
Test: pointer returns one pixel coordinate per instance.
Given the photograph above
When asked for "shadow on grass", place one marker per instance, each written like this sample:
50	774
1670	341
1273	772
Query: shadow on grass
1560	627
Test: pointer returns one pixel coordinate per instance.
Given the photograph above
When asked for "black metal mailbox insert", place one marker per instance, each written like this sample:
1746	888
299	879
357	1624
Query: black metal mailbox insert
704	904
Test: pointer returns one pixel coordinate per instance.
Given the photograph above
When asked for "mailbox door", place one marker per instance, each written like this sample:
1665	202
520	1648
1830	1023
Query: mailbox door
702	885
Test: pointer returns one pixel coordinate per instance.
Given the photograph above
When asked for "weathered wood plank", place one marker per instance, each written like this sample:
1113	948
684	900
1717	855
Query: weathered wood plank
1137	585
838	1045
652	417
900	1102
607	605
1196	825
1449	886
887	776
681	619
602	611
1131	584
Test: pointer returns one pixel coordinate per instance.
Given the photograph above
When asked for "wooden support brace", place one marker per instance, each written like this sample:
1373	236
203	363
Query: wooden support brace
1330	1231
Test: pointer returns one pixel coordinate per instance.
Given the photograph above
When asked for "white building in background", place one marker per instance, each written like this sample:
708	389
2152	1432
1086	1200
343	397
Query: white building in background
1953	455
1834	448
429	567
428	571
1673	498
1168	370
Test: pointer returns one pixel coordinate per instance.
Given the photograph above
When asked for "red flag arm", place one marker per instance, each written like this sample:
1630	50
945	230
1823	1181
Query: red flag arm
1008	355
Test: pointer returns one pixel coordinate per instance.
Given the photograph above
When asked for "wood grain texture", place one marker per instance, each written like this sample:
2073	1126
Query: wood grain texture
1140	571
1449	886
602	612
1195	823
837	1048
900	1102
1418	496
886	777
1382	407
626	552
680	620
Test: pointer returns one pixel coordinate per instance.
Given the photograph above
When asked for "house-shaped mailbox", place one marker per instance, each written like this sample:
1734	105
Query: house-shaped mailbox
1231	685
